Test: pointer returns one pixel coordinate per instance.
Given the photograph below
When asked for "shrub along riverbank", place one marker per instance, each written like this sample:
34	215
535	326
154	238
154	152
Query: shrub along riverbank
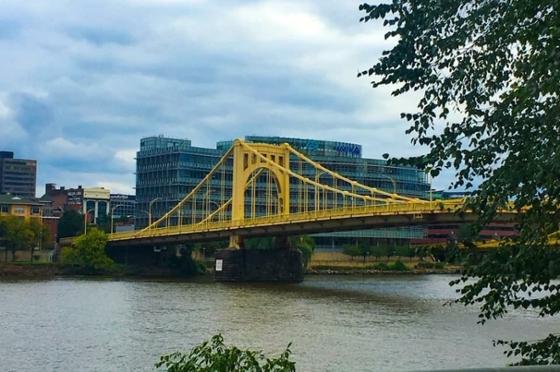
394	267
87	256
36	271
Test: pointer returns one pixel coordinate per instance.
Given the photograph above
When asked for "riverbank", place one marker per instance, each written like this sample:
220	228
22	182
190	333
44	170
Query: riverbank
10	271
337	263
16	271
38	271
338	271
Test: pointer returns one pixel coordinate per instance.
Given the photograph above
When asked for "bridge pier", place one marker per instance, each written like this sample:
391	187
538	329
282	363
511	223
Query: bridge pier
259	265
235	241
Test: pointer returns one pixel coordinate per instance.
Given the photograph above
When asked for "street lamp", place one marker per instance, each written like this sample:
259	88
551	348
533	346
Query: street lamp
112	211
85	219
150	209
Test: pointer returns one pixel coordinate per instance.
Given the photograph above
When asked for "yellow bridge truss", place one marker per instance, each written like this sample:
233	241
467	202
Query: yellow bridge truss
257	184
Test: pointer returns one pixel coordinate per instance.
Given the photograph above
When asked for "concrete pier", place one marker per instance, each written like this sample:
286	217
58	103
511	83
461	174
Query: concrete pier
259	265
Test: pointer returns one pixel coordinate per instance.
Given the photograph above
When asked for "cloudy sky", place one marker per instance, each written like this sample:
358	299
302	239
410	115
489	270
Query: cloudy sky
82	81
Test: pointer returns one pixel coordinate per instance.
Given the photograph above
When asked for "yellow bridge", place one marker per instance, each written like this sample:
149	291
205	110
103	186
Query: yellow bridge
261	189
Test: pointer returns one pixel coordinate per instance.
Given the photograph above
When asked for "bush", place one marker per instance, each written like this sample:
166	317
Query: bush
306	245
429	265
213	355
424	265
398	266
185	264
394	266
88	253
380	266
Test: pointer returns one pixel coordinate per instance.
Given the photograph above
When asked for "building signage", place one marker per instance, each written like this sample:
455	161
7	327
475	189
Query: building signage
349	149
219	264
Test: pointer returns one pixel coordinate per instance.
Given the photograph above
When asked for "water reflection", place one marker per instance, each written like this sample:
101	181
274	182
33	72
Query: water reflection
336	323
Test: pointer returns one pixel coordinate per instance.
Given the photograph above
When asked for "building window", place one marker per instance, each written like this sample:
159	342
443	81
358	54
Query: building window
19	210
4	208
35	210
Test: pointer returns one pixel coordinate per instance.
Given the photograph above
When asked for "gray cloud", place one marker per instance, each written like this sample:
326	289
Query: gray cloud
82	82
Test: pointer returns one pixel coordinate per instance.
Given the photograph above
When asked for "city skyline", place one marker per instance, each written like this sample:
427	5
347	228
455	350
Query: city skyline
82	83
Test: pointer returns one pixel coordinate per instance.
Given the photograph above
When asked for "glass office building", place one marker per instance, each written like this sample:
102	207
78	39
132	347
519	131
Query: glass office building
123	206
168	168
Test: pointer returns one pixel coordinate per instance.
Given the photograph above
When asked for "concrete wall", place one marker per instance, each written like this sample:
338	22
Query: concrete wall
256	265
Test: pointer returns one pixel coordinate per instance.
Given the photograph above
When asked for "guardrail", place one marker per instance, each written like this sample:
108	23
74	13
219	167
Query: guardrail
423	207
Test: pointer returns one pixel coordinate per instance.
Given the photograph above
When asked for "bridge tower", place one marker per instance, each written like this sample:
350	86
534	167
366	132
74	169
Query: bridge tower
246	162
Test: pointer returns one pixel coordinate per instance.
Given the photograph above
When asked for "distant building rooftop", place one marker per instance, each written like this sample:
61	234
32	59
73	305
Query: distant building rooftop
13	199
6	155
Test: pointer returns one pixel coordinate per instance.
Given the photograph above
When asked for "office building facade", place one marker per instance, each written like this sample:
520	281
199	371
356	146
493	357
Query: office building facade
17	176
123	206
167	169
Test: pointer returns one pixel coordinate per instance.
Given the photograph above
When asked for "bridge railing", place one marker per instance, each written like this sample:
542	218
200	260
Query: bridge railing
434	207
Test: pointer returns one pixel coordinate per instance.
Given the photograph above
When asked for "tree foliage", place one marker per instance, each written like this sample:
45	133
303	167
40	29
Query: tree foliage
357	249
214	355
70	224
20	234
88	252
306	245
209	248
488	74
267	242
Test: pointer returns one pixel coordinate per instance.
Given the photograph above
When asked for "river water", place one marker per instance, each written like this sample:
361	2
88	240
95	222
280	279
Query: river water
335	323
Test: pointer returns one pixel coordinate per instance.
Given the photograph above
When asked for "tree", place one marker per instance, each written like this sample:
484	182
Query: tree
40	233
266	242
3	232
88	252
351	250
103	223
305	244
421	252
214	355
488	74
403	251
209	248
379	251
70	224
358	249
18	235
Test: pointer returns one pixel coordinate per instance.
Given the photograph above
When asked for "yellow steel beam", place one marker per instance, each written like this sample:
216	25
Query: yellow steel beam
307	180
193	191
348	180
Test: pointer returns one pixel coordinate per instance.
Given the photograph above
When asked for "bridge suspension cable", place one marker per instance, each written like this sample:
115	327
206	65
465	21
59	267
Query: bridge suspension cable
262	185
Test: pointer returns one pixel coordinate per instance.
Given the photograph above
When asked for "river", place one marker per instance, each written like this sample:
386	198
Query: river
335	323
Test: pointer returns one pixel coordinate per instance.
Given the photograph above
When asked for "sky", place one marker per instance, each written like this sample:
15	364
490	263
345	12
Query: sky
81	82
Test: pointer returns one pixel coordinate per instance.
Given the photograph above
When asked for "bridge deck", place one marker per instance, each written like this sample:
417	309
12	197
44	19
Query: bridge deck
412	213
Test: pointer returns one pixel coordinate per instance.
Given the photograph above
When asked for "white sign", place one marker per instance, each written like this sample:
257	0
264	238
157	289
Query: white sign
219	264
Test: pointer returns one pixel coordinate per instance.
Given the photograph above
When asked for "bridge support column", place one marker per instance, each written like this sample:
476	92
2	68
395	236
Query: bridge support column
259	265
235	242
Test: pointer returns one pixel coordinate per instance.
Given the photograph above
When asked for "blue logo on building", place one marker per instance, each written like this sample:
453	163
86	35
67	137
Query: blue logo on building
348	149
